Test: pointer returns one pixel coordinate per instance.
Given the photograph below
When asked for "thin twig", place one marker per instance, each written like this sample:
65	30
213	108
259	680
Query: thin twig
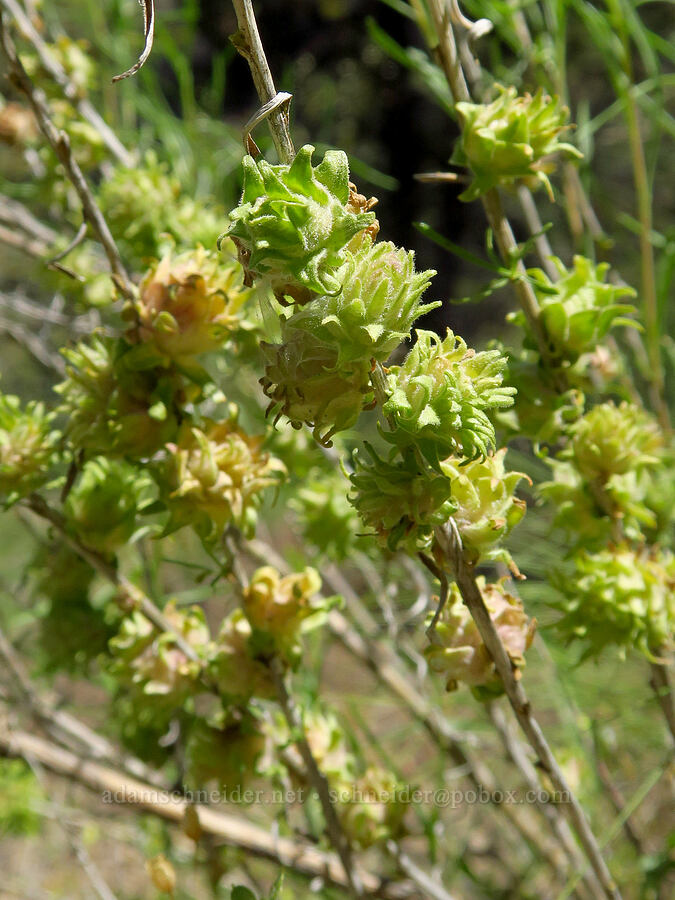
133	595
534	223
248	43
432	889
60	144
24	242
442	600
619	804
57	72
75	242
64	727
660	683
33	344
149	34
19	303
14	213
516	752
234	831
317	779
471	594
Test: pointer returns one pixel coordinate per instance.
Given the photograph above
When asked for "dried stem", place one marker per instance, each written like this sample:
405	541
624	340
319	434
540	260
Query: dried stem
534	223
22	305
23	242
83	106
17	215
33	344
516	753
471	594
248	43
385	664
60	144
660	682
432	889
619	804
132	594
232	830
317	779
64	727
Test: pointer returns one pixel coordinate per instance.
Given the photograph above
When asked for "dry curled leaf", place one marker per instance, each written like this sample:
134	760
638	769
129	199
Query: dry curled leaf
149	29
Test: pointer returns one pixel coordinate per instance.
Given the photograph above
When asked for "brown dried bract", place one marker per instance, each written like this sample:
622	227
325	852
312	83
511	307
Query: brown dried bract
358	203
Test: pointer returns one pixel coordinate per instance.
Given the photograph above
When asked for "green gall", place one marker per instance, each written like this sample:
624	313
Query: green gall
304	382
187	304
225	751
78	620
328	521
621	597
145	208
589	513
457	650
215	475
372	808
112	406
233	664
26	446
293	222
76	59
612	440
400	501
376	308
150	666
279	608
102	505
541	412
440	396
578	309
659	499
511	139
326	738
486	509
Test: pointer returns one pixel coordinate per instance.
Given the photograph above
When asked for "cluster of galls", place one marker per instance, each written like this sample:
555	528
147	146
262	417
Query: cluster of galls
457	649
608	466
577	311
370	802
27	447
160	682
345	303
511	140
133	399
622	591
218	698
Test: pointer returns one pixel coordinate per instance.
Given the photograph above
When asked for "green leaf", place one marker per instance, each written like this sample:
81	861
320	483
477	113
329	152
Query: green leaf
239	892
